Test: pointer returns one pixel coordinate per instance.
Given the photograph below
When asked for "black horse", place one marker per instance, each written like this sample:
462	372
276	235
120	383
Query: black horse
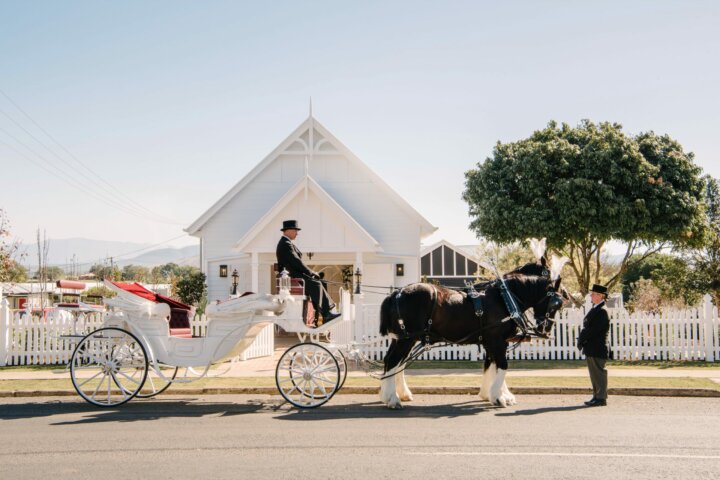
431	314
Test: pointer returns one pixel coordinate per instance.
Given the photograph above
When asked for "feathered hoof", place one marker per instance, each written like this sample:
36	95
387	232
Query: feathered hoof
394	402
405	396
483	395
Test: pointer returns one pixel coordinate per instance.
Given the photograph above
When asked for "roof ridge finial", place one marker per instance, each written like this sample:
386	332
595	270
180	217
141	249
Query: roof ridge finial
310	107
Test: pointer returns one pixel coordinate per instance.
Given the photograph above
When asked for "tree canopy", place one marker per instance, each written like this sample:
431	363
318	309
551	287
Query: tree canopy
706	260
191	288
583	186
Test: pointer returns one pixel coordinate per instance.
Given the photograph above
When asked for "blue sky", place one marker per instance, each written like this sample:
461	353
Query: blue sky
174	101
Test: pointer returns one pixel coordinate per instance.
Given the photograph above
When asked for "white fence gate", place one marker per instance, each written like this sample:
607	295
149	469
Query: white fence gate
692	334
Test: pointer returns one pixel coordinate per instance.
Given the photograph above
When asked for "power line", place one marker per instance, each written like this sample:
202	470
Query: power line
134	206
59	173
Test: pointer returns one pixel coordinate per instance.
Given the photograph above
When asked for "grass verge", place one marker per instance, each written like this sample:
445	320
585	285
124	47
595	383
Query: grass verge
413	381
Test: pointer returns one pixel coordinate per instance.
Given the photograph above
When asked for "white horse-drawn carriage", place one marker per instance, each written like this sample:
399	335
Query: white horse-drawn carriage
139	351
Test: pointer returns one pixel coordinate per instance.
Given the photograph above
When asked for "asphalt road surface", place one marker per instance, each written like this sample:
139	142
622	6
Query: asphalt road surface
353	436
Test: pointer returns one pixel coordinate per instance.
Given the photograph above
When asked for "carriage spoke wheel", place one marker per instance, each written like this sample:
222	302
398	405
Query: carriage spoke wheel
342	363
108	367
155	384
307	375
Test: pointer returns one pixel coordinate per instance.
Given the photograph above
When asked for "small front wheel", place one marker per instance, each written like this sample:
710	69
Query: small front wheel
307	375
108	367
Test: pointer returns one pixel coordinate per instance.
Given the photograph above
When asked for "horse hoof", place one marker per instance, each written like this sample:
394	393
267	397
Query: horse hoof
395	406
406	398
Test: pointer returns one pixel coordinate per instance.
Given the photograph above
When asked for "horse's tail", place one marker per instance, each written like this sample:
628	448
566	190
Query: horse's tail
387	314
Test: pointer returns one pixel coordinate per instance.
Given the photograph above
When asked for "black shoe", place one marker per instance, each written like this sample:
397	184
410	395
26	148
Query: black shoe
329	317
590	402
596	402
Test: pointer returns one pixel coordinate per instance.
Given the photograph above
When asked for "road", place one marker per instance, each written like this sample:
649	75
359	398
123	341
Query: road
353	436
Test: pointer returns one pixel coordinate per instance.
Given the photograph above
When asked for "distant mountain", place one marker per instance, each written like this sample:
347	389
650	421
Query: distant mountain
88	252
182	256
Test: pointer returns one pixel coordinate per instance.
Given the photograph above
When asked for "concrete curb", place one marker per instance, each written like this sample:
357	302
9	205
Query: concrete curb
356	390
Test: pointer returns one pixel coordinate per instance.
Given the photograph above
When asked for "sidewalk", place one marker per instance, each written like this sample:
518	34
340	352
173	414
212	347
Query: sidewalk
439	381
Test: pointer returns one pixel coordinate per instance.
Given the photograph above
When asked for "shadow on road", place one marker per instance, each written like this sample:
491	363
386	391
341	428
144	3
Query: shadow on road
130	412
538	411
159	409
377	409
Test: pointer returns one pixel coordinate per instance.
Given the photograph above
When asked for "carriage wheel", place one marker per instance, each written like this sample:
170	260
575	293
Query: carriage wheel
307	375
155	384
342	363
108	367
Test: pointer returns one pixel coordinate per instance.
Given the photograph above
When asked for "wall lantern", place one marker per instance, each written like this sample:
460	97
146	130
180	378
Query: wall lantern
399	269
235	278
223	271
358	278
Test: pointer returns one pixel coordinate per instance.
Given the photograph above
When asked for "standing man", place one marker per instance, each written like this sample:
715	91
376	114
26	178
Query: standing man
593	342
289	258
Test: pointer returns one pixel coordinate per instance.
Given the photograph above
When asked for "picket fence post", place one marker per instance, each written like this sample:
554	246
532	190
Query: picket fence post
708	328
4	327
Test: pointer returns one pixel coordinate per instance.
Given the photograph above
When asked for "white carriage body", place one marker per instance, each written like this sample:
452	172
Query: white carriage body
232	325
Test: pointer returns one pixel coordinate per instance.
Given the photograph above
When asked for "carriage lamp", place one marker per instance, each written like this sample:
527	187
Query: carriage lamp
284	281
235	278
399	269
223	271
358	278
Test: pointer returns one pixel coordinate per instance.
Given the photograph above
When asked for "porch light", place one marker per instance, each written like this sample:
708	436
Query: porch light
399	269
358	279
223	271
235	278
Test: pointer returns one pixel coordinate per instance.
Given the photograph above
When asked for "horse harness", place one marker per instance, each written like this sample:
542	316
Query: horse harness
426	333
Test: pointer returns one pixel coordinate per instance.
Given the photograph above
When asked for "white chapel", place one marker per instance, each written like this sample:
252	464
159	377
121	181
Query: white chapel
350	219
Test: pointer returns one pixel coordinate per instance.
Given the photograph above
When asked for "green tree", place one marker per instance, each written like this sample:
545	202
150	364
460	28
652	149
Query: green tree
100	290
135	273
581	187
106	271
8	249
191	288
16	272
669	274
706	260
52	274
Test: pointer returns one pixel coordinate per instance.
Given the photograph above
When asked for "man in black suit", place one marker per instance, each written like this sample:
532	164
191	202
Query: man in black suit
289	258
593	342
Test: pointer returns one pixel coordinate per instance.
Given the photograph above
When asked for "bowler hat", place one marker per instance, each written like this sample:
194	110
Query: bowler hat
290	225
599	289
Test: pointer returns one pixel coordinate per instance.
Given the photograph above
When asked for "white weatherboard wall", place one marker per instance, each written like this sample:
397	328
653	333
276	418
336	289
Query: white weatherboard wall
348	214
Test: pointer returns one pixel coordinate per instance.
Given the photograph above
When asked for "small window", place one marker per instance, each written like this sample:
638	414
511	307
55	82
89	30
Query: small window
449	262
425	265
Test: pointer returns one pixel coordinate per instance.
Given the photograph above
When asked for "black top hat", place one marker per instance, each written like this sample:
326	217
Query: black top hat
290	225
599	289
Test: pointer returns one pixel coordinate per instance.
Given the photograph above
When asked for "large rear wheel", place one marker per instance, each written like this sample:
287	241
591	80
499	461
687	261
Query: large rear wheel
108	367
307	375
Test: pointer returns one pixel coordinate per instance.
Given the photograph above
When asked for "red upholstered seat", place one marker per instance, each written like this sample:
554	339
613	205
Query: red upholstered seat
181	332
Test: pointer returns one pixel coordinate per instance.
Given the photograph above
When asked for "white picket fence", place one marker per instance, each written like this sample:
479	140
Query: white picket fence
35	339
692	334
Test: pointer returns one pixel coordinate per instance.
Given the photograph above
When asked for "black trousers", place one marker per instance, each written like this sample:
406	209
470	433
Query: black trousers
314	290
598	376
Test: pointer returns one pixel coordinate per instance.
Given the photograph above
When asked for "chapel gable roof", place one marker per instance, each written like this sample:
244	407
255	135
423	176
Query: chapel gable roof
298	143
